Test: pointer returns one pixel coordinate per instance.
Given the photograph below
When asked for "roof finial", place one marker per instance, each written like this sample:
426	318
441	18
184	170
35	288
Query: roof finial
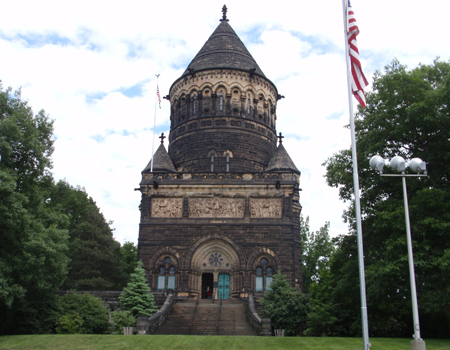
162	137
224	17
281	138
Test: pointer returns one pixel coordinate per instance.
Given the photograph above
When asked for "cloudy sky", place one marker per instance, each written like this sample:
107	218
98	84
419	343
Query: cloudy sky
91	66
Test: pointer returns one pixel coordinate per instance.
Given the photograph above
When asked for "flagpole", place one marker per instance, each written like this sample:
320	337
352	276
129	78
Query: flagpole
362	278
154	121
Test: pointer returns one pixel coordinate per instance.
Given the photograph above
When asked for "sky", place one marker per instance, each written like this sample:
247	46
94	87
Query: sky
92	66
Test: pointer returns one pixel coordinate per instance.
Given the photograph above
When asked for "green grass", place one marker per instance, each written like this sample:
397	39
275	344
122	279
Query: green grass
173	342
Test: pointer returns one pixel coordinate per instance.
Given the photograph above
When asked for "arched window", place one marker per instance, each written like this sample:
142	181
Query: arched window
194	105
259	279
212	163
248	104
162	278
221	101
228	163
171	278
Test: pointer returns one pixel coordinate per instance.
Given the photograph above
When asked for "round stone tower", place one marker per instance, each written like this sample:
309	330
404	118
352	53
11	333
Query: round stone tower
223	109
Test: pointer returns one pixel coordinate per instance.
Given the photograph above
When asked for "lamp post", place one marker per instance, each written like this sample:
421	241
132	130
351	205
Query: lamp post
419	167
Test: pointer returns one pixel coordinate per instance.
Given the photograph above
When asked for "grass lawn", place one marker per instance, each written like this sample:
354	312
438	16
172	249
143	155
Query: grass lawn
172	342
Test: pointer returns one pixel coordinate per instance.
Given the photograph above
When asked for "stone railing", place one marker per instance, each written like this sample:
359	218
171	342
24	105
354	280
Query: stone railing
261	325
146	325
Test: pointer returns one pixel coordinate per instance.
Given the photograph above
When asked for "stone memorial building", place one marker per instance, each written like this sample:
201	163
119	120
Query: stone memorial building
220	209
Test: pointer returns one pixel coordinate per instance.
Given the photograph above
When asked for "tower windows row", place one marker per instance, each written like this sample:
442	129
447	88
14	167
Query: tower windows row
215	162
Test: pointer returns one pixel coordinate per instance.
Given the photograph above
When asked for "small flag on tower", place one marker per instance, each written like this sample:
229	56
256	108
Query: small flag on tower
159	96
359	81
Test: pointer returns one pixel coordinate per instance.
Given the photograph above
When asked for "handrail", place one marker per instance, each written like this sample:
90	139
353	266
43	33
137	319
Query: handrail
218	318
193	316
263	326
147	324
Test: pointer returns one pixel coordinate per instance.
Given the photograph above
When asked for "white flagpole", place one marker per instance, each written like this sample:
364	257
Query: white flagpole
154	121
362	278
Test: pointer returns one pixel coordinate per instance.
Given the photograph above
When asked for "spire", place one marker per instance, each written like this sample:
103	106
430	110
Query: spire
281	161
162	160
223	49
224	17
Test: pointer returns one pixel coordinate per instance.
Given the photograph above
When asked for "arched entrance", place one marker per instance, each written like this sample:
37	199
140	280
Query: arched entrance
215	263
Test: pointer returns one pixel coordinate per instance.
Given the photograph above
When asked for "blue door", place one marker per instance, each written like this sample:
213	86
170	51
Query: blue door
224	286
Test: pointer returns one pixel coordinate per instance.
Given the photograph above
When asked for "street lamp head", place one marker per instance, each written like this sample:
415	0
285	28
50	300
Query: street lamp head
418	166
377	163
398	163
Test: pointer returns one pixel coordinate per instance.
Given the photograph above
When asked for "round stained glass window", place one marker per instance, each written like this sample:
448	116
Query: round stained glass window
263	261
167	260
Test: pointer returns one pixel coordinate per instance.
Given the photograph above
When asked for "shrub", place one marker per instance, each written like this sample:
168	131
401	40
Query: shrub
69	324
94	315
122	319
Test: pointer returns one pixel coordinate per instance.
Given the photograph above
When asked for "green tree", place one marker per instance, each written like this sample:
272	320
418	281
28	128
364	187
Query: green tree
123	319
95	254
317	249
128	257
286	306
69	324
136	297
93	313
407	114
33	261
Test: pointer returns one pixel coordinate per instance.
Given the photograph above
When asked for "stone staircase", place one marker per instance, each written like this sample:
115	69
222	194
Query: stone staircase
178	320
205	322
232	318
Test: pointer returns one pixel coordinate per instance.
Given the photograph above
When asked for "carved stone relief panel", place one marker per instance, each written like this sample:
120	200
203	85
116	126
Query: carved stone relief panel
167	207
265	207
216	207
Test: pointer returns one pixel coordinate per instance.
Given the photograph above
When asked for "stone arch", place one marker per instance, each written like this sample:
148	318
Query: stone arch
228	152
217	86
215	237
259	252
166	251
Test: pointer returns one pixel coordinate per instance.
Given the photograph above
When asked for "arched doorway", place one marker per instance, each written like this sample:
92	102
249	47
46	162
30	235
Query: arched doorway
216	263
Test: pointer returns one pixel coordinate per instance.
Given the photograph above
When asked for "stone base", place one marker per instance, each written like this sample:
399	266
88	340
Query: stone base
418	345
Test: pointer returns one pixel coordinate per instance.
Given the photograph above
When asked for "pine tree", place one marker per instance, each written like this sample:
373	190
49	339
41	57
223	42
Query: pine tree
136	297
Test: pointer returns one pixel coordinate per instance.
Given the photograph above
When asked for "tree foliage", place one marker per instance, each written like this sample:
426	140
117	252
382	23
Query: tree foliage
93	313
407	114
94	253
286	306
136	297
317	249
122	319
33	260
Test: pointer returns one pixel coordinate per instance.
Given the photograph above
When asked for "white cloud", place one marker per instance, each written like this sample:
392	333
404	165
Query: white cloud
65	53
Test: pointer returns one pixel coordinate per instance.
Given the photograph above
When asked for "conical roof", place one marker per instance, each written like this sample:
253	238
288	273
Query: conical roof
162	161
224	49
281	161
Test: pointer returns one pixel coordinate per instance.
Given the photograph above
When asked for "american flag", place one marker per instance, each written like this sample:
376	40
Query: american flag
359	81
159	96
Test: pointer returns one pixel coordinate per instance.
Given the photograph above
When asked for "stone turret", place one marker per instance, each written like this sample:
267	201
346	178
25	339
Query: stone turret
223	109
